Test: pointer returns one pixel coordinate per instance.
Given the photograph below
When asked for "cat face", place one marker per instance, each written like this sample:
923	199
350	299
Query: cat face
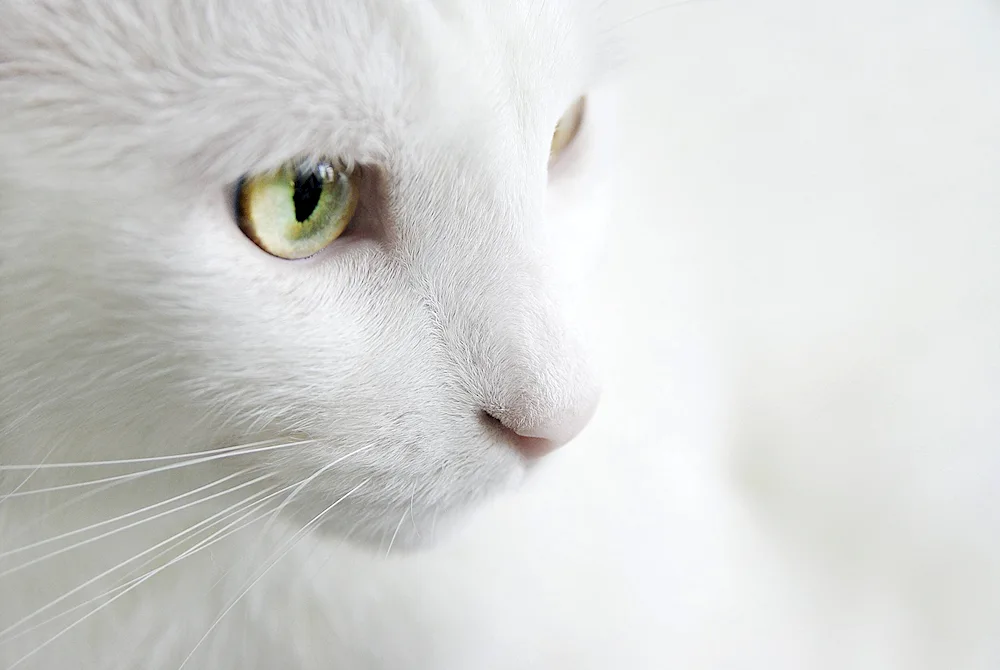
421	360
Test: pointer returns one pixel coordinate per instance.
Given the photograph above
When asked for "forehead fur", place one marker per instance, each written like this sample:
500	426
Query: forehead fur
227	86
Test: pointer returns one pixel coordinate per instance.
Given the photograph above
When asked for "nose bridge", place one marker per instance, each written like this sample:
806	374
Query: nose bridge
495	312
470	239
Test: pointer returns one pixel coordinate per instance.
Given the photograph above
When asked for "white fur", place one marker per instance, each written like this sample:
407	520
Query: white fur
793	466
400	336
138	321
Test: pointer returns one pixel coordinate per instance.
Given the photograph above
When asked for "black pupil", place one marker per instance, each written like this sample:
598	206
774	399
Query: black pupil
308	188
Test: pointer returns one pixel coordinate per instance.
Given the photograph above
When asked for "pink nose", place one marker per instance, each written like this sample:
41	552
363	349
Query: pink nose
534	440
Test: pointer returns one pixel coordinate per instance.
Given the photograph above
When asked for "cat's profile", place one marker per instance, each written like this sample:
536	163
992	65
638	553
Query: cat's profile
277	266
293	304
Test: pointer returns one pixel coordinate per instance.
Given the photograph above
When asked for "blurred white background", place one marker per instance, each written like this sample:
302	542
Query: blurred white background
804	278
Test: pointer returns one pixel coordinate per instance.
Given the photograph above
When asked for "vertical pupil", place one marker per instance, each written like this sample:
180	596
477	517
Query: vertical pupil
308	188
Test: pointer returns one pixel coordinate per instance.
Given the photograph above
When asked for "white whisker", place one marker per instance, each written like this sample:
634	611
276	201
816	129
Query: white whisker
200	545
164	468
303	484
153	459
121	517
250	508
75	500
413	519
402	517
109	533
107	572
84	496
290	545
31	474
272	515
138	582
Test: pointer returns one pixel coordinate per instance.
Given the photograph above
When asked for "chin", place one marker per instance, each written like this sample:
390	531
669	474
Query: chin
386	514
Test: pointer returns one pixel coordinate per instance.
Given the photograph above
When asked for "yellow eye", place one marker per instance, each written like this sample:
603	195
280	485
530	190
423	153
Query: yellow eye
293	212
566	129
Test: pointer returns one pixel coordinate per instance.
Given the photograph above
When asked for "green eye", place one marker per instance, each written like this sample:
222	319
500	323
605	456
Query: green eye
566	129
294	213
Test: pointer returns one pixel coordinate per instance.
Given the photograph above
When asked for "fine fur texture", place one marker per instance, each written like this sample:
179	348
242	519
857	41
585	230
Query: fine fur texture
389	374
793	464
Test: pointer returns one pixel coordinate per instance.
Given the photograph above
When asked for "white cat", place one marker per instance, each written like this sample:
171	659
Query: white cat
315	259
215	457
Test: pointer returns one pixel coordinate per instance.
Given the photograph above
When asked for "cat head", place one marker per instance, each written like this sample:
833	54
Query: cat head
341	232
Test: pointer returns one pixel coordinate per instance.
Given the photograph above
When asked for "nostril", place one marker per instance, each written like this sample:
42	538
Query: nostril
529	446
558	428
534	440
534	447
